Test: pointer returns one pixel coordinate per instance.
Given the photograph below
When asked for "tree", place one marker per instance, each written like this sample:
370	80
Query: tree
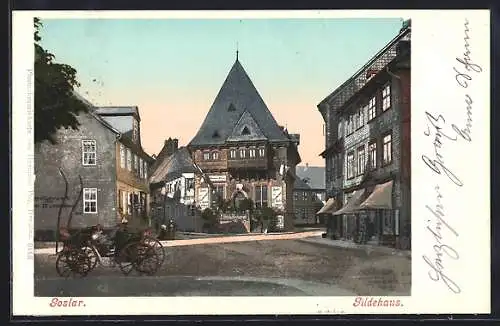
56	105
268	213
246	205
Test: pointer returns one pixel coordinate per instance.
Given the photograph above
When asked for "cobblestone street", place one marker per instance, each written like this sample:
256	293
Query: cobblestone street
354	271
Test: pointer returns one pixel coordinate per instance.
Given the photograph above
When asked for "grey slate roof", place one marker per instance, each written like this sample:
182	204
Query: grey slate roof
93	113
172	167
118	110
299	184
315	174
236	95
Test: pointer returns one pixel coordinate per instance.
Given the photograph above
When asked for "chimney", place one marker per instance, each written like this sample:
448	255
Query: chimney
171	146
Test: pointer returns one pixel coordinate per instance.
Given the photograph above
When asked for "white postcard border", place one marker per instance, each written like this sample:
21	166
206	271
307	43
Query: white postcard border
437	41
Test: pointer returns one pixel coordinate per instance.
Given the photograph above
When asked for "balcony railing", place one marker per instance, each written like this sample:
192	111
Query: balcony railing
254	163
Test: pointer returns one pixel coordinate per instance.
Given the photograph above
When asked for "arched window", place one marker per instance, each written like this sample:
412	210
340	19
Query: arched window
215	155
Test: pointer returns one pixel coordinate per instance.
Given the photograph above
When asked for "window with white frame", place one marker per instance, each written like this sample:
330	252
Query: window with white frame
261	195
206	156
361	116
145	170
123	158
90	200
129	159
296	195
340	130
387	149
141	168
251	153
89	152
386	97
232	153
372	108
215	155
355	121
242	153
361	160
136	163
262	152
372	155
219	191
350	165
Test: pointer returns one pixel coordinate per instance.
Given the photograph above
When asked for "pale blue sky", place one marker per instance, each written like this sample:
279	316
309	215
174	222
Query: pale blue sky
173	69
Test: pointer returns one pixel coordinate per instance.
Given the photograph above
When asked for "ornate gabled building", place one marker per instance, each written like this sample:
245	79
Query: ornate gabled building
244	151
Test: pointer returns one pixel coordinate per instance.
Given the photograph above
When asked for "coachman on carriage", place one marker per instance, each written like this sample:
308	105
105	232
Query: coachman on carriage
84	248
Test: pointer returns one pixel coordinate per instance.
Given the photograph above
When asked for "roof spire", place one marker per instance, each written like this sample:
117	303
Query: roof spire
237	51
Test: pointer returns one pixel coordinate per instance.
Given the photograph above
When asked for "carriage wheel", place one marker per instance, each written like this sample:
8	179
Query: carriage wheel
158	247
92	254
127	257
73	262
147	260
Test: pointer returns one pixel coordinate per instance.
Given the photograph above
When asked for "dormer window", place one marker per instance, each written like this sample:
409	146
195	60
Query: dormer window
215	134
231	108
135	131
245	131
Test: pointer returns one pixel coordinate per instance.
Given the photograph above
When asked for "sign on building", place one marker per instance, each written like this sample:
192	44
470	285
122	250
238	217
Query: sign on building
217	178
204	198
277	197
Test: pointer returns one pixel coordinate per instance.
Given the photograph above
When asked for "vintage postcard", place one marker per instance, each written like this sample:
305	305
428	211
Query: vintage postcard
251	162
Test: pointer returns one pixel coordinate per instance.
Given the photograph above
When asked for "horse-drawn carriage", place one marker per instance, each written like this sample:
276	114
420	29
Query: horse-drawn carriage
85	248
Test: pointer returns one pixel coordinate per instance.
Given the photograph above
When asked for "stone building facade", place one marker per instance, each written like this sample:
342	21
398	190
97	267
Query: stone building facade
75	179
243	152
367	140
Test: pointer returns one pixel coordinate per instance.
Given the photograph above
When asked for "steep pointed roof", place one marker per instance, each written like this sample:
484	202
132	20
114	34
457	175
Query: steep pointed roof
237	95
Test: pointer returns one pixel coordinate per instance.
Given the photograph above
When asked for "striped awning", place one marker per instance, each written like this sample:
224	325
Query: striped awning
353	203
380	198
328	208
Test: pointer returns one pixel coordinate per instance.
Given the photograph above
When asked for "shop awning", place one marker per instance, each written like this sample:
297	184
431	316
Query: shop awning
380	198
353	203
328	208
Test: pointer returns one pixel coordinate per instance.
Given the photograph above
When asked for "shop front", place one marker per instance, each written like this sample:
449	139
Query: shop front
384	219
368	217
